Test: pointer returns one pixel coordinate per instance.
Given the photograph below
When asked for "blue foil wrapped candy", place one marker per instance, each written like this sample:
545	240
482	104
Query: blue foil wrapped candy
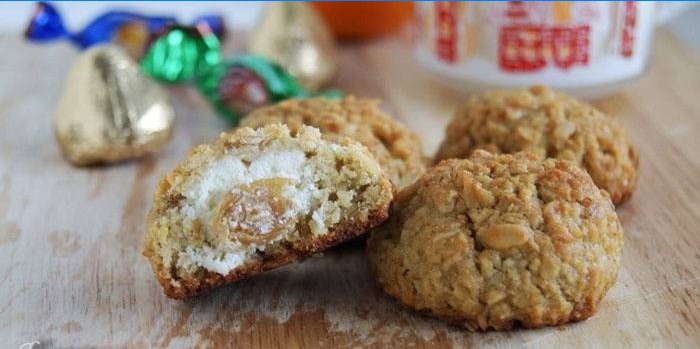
128	29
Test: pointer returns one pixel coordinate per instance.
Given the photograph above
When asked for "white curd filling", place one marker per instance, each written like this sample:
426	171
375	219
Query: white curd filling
205	194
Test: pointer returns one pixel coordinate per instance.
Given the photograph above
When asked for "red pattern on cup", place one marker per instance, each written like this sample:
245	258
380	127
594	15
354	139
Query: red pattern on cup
629	23
446	28
527	48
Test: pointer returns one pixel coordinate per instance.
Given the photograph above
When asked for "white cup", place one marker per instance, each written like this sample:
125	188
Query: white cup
588	49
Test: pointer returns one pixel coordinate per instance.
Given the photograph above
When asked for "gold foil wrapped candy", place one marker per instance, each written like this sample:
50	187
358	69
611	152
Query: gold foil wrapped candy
294	36
109	110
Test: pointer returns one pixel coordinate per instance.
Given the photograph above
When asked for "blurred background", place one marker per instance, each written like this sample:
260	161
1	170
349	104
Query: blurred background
587	49
243	15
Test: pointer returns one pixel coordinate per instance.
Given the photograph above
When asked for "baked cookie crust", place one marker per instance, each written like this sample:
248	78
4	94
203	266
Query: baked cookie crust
549	124
495	241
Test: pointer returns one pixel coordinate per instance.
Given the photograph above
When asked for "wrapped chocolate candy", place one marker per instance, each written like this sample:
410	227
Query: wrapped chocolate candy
245	82
128	29
180	54
234	86
173	53
293	35
242	83
110	111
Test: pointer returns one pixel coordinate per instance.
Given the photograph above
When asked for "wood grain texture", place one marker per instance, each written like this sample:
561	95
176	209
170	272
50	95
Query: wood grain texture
70	239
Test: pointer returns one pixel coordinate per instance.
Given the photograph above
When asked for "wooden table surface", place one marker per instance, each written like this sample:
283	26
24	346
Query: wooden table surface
72	273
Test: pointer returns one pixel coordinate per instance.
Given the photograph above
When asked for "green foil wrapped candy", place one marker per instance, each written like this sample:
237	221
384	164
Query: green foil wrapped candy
331	94
180	54
242	83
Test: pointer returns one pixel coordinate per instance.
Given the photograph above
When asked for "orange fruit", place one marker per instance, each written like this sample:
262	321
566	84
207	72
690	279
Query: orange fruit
363	20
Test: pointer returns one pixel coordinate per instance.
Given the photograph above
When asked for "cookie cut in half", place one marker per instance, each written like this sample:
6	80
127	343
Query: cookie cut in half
258	199
496	241
549	124
397	149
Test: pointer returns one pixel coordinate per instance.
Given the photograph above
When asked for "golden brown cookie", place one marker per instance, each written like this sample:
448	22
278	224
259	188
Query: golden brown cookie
258	199
549	124
396	148
498	240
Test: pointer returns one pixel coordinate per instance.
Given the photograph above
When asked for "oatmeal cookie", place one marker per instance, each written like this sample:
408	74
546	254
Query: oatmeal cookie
498	240
550	124
258	199
396	148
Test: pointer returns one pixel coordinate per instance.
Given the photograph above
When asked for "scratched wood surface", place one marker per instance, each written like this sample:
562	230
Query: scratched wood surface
72	274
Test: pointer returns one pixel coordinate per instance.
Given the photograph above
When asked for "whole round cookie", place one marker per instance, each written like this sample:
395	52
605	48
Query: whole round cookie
498	240
259	199
396	148
550	124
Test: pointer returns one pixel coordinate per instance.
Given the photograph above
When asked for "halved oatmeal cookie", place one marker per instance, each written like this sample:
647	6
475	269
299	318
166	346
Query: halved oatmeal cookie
258	199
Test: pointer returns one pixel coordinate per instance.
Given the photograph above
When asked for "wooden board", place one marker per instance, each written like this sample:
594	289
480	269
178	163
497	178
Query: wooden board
72	274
